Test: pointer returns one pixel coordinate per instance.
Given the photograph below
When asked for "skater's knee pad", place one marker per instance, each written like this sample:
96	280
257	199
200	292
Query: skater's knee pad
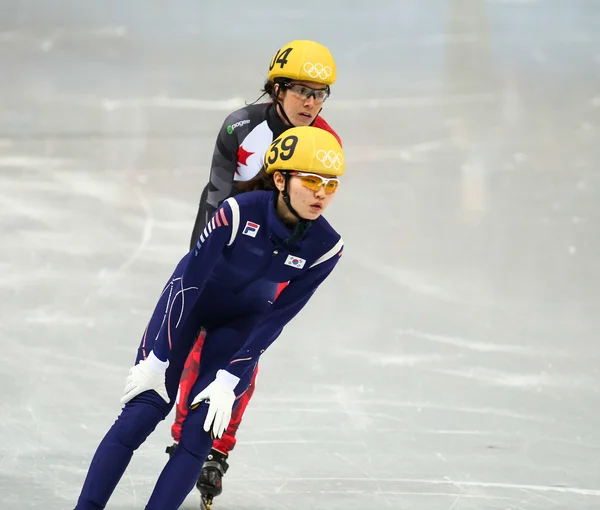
193	437
194	457
137	421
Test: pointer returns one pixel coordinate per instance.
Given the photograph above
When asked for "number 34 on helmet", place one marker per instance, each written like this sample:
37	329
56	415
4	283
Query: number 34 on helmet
303	60
306	149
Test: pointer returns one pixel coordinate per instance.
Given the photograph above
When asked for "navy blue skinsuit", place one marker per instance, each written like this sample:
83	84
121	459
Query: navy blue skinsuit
227	285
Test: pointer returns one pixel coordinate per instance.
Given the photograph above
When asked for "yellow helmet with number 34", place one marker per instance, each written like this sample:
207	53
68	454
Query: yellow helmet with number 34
303	60
305	149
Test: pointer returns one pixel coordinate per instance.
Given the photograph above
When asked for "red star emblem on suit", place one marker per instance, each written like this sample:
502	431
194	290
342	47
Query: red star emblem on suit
242	156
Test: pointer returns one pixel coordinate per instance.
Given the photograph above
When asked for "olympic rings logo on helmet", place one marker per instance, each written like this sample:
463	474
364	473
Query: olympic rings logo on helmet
330	159
317	70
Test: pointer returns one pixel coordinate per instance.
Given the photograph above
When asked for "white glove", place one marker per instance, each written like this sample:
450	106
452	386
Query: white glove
148	374
221	398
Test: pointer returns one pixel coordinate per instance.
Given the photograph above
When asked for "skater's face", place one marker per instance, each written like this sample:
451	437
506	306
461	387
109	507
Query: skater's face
310	194
302	100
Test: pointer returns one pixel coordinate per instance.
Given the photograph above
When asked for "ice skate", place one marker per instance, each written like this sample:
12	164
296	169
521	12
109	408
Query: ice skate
210	483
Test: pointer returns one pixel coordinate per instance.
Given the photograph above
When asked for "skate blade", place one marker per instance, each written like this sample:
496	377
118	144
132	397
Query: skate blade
205	503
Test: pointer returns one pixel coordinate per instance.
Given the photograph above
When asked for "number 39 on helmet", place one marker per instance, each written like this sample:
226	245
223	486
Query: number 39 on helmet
303	60
306	149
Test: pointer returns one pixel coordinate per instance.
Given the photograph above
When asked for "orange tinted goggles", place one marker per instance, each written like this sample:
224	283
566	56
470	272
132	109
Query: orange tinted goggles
314	182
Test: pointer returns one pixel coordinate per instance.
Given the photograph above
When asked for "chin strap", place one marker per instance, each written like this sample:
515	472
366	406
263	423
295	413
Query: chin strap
302	225
279	106
286	196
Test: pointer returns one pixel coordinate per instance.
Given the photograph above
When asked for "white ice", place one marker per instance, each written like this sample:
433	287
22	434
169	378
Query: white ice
451	362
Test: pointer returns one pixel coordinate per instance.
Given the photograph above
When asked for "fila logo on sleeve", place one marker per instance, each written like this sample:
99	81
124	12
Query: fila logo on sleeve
296	262
251	229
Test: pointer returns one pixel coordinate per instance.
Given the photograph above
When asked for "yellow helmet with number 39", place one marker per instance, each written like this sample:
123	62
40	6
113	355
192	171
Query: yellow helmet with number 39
303	60
305	149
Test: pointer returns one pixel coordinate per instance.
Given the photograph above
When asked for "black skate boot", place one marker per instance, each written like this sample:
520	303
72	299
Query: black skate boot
171	449
210	483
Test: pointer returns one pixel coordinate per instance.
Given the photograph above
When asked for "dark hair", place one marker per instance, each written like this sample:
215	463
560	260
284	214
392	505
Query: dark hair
261	181
269	89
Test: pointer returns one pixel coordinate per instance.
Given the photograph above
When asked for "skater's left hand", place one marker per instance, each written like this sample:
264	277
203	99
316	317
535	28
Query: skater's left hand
221	398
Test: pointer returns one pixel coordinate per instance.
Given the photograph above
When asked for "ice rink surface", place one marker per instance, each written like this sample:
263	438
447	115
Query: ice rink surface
452	360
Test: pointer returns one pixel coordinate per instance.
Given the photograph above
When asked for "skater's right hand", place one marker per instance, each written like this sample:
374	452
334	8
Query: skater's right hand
221	398
148	374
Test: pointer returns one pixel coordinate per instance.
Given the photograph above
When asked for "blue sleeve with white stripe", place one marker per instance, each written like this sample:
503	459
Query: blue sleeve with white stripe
188	280
291	300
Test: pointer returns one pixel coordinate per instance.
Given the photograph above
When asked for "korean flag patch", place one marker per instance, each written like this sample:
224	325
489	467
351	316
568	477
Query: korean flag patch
296	262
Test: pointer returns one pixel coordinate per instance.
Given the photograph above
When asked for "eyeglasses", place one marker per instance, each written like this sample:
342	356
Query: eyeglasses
314	182
305	92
